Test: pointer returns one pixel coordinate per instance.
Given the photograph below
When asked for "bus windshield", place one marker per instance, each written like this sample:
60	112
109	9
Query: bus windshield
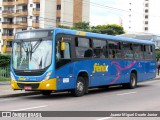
32	55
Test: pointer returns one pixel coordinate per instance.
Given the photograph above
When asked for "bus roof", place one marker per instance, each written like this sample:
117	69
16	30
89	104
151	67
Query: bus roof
103	36
95	35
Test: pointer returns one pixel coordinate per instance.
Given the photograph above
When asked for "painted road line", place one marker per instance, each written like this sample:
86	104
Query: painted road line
30	108
127	93
105	118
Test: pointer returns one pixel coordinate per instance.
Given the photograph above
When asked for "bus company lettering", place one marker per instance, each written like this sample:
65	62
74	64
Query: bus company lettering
100	68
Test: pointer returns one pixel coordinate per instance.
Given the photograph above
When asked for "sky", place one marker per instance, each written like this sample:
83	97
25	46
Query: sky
107	11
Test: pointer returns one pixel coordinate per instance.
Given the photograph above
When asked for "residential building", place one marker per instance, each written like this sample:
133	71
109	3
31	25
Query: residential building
143	16
18	15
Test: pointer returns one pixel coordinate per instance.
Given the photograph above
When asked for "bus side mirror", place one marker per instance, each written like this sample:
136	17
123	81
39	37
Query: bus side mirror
63	45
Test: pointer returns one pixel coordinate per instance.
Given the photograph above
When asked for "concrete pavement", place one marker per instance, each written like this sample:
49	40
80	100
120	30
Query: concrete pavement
6	90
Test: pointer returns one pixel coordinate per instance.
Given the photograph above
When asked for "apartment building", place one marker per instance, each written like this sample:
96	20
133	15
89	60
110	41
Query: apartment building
143	16
18	15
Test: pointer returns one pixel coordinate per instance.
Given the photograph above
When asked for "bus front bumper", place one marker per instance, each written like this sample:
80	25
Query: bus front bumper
43	85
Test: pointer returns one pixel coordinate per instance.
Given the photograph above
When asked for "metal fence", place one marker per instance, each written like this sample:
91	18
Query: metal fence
4	74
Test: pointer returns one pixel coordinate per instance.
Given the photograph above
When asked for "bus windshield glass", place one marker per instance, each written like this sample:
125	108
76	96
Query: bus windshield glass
32	54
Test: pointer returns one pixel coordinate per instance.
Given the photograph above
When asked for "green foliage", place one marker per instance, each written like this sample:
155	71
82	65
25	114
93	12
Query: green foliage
63	26
111	29
157	55
4	60
81	26
4	74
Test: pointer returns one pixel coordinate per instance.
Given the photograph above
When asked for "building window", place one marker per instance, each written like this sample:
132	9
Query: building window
58	7
58	19
146	22
37	5
31	5
146	11
9	43
146	16
146	28
0	19
0	8
146	5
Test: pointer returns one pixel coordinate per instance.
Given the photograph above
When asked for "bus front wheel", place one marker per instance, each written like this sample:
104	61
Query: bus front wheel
80	87
133	82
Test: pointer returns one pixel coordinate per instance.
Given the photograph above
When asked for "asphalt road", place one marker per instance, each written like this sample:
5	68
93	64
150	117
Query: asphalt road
146	97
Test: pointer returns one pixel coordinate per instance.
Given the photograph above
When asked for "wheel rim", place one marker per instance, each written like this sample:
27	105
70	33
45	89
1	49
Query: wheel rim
133	79
80	86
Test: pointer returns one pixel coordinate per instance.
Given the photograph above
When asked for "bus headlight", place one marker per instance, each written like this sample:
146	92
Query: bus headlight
12	76
47	76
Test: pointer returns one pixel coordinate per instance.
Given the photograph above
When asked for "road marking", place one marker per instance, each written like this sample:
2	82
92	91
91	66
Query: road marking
30	108
105	118
127	93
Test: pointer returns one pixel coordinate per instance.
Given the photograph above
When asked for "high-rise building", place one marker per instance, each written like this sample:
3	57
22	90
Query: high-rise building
18	15
143	16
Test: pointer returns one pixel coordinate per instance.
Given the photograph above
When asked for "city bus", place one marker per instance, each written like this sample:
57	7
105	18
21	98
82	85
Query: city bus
49	60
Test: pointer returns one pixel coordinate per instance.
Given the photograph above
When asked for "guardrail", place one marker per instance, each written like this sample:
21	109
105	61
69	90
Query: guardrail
4	74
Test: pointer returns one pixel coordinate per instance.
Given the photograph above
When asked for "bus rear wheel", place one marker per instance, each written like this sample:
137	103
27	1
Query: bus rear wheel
133	82
46	92
80	87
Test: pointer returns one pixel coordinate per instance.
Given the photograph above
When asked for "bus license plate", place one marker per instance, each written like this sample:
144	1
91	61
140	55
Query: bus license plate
27	87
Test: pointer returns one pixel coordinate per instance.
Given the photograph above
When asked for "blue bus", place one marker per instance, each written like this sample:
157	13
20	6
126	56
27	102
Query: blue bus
48	60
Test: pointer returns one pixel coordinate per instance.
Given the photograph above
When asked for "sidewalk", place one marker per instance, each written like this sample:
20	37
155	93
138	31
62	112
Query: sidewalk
6	90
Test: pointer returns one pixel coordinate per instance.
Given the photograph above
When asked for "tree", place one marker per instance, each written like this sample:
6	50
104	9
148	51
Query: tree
84	26
111	29
4	60
81	26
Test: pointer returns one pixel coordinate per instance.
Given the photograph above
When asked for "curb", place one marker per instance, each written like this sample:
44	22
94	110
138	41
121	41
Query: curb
20	94
5	83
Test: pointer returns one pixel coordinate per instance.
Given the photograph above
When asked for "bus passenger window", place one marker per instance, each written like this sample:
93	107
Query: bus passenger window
63	54
88	53
115	50
138	53
100	48
83	48
128	50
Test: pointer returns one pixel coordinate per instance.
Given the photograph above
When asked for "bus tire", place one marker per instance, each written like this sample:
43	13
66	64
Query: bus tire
46	92
133	82
80	87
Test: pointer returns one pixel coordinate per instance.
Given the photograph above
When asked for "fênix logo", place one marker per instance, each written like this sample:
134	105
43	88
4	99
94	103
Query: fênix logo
100	68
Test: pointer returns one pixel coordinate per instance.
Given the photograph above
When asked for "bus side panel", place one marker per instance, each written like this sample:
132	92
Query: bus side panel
139	67
116	72
97	71
101	72
150	70
129	66
65	77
